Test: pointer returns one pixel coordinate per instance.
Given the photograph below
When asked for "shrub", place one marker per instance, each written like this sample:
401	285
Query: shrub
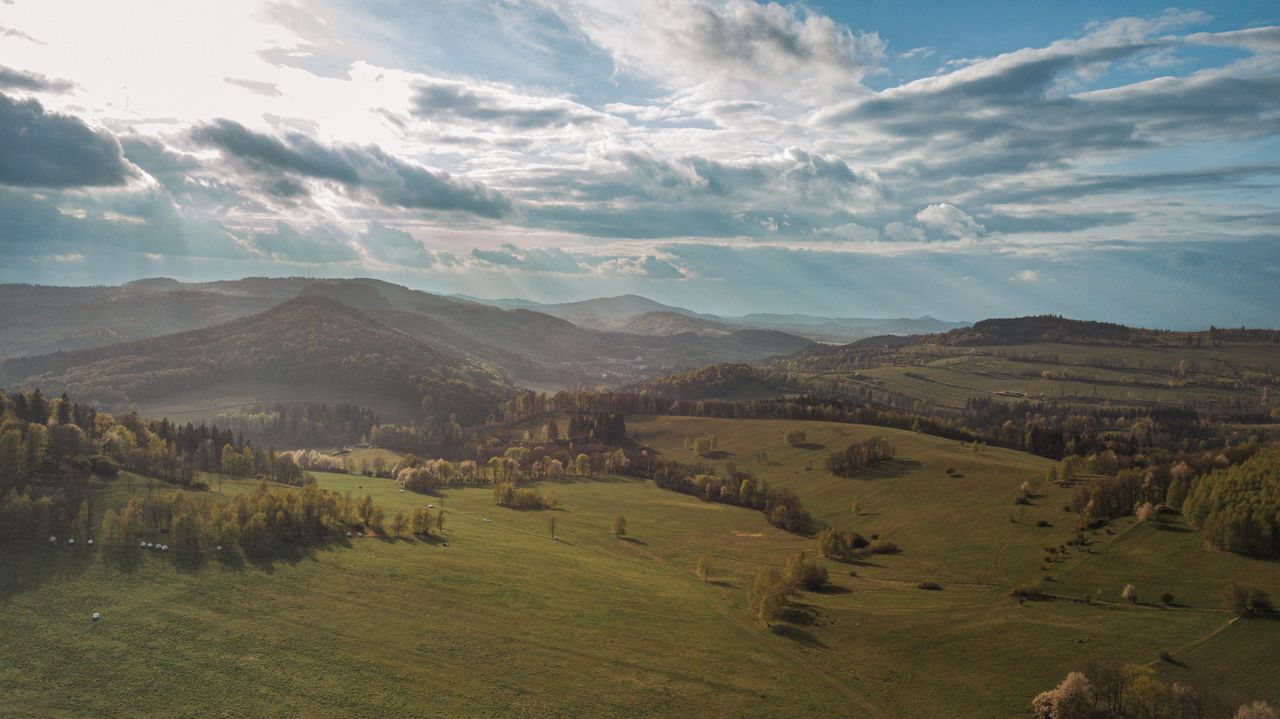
808	573
1129	594
1166	598
932	586
1247	601
103	465
882	546
1043	523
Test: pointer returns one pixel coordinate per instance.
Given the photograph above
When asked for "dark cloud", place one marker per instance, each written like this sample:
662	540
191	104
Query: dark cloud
166	166
455	101
388	179
314	244
11	79
297	153
44	149
266	89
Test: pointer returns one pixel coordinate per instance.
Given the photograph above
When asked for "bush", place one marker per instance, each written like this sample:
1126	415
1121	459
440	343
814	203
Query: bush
1043	523
808	573
103	466
1247	601
1029	593
1166	598
882	546
931	586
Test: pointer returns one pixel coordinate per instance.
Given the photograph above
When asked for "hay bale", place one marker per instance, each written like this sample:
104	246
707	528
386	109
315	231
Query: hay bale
96	616
71	541
165	548
219	548
90	542
53	540
142	545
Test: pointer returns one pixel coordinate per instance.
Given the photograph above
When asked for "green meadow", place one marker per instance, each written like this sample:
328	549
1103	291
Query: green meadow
508	621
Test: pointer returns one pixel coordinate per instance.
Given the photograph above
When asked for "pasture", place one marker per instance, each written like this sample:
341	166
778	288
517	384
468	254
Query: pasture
506	621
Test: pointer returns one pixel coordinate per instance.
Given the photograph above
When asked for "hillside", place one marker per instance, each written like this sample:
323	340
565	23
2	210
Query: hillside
525	344
309	347
662	323
1229	374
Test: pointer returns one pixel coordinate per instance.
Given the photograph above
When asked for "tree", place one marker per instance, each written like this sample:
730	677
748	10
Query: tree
551	526
804	572
769	594
794	438
704	568
619	528
1072	699
1247	601
1129	594
831	544
1256	710
399	523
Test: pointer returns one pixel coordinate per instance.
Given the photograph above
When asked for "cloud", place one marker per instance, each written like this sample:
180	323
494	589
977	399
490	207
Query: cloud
166	166
314	244
440	100
1027	276
647	266
1027	110
44	149
727	50
107	225
388	179
530	259
950	220
395	246
265	89
11	79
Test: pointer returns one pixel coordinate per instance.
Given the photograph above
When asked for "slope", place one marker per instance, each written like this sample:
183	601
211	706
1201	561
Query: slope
309	347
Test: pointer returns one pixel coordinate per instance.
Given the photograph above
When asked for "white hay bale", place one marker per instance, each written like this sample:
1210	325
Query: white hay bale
165	548
142	545
402	491
432	506
219	547
348	534
90	542
150	545
53	540
96	616
71	541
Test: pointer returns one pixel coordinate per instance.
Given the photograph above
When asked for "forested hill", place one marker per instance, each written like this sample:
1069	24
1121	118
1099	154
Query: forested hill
309	346
1054	328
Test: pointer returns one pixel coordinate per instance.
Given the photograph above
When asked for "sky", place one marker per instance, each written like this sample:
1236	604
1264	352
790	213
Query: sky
1103	160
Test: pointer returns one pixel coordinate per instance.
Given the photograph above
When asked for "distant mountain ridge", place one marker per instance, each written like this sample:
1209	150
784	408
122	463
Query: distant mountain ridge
624	312
530	346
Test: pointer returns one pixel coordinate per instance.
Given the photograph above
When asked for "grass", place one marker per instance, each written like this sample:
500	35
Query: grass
507	621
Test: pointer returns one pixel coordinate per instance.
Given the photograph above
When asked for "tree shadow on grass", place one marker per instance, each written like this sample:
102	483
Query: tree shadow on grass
796	634
25	566
716	454
812	446
722	583
633	540
1178	528
889	469
832	589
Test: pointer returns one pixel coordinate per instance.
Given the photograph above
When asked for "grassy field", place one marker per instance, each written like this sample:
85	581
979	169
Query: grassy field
945	377
506	621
